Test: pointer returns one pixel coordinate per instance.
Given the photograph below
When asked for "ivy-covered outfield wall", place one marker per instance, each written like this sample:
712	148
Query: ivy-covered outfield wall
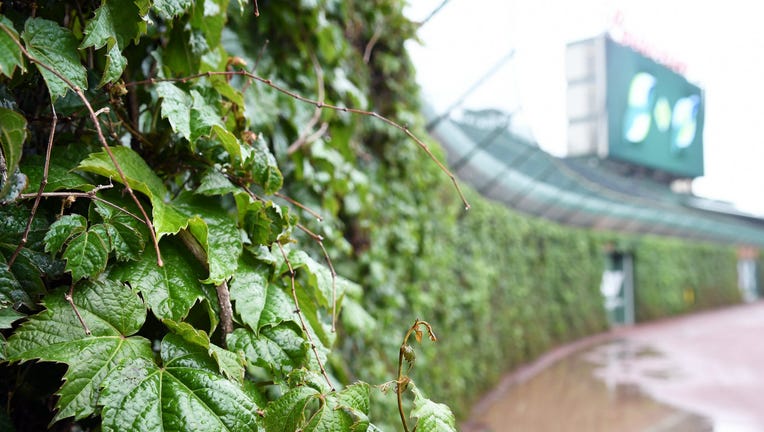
504	287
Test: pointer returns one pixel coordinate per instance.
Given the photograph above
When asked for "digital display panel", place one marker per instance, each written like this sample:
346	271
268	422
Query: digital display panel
655	116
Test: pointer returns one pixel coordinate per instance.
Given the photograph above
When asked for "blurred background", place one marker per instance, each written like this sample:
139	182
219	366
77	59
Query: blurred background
510	55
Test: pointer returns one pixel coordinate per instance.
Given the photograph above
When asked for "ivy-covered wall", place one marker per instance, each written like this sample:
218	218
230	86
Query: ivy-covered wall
504	288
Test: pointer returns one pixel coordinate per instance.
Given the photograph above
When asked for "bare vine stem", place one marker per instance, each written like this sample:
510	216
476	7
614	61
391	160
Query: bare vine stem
320	105
99	132
70	300
406	352
304	325
89	195
38	195
223	294
300	205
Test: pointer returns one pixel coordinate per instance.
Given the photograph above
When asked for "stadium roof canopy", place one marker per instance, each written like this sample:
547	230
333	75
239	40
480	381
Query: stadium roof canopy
581	191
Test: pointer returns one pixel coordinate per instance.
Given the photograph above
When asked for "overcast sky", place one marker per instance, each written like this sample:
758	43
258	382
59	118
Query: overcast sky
721	44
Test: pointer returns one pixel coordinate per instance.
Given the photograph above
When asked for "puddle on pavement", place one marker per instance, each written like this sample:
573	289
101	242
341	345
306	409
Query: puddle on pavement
590	391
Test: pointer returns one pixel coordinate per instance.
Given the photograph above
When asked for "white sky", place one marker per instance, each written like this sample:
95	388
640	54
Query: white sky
721	43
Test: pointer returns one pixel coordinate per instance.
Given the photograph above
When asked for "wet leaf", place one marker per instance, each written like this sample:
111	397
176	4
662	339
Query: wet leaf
184	393
169	291
142	179
10	53
168	9
62	230
8	316
229	364
13	133
112	312
277	349
248	290
176	107
431	416
115	23
287	413
216	231
56	47
87	252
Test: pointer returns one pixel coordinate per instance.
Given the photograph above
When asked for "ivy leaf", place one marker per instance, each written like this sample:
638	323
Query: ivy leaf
287	413
319	276
431	416
229	364
229	142
277	349
265	170
13	222
168	9
176	107
139	175
215	183
63	161
22	283
13	133
87	253
115	65
8	316
62	230
142	179
346	410
114	24
203	117
182	54
112	312
56	47
169	291
330	417
10	53
127	242
210	19
125	232
279	308
184	393
264	222
11	291
248	290
216	231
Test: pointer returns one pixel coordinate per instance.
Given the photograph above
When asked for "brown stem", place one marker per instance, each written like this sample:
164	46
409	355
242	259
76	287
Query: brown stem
43	183
370	45
403	380
89	195
300	205
226	310
68	297
302	319
224	296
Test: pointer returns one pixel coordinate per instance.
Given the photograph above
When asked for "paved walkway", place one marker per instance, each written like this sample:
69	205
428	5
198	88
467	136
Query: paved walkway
701	372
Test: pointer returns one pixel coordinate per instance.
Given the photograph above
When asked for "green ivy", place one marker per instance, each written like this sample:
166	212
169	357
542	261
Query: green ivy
159	159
